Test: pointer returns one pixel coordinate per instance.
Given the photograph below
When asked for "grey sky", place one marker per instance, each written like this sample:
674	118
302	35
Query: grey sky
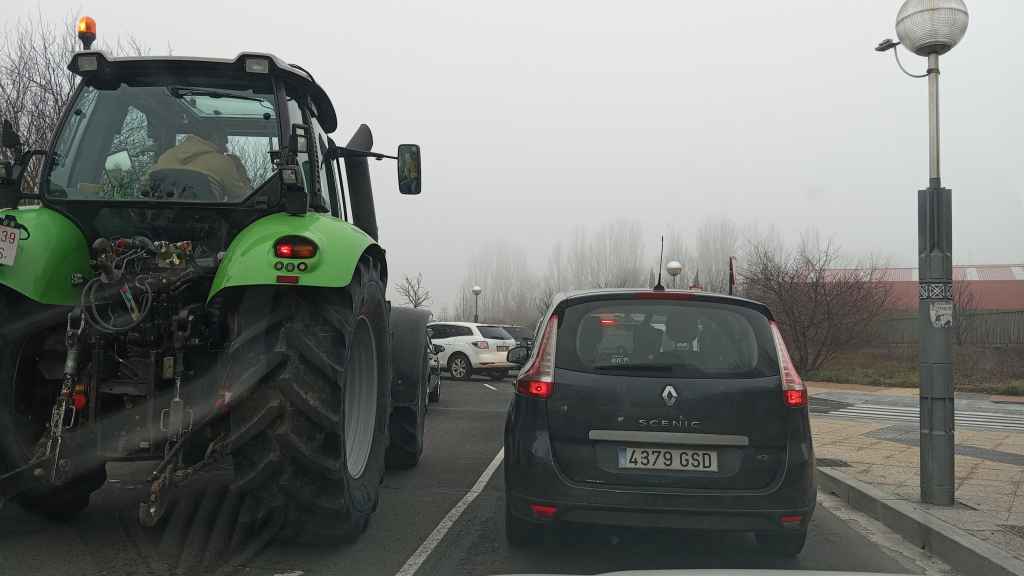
535	117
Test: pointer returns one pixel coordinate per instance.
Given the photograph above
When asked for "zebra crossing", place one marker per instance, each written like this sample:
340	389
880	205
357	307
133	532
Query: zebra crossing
984	420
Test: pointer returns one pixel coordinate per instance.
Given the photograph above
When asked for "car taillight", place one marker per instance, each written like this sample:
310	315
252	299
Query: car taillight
294	247
794	393
538	379
482	344
543	511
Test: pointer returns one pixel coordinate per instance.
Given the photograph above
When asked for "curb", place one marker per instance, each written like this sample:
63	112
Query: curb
963	552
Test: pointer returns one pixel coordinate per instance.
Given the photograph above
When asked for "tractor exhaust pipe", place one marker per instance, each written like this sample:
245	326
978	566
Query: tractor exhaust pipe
360	191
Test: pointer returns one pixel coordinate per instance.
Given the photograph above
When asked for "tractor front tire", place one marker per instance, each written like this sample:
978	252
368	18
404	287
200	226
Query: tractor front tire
411	366
309	436
435	394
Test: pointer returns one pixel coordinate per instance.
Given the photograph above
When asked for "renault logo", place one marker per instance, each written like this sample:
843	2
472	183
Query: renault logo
669	395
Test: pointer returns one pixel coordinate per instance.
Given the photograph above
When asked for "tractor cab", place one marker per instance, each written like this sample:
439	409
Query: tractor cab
248	133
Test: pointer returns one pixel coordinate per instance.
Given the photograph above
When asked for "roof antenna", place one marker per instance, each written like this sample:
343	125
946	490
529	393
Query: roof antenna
661	261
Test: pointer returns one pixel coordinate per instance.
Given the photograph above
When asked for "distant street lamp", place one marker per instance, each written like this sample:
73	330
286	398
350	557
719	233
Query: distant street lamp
476	303
674	268
930	28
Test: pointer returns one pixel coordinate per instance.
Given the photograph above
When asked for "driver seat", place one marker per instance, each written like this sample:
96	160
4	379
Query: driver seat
182	184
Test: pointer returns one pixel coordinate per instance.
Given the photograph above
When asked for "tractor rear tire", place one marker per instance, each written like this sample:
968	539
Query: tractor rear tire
27	323
308	438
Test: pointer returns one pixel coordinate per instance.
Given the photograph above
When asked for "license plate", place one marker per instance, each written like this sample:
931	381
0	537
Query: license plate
503	348
8	245
667	458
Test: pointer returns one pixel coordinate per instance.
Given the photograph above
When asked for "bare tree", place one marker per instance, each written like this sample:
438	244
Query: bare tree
254	153
717	240
35	83
508	286
612	256
965	304
822	309
413	291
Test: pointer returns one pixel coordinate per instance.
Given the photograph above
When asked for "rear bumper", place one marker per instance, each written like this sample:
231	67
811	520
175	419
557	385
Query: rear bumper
495	360
626	513
533	477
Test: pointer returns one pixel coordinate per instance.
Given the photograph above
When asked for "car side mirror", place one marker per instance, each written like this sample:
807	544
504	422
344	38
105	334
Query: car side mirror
438	348
118	161
409	173
518	355
9	138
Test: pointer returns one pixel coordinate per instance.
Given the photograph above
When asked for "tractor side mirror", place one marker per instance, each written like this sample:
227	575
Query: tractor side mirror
518	355
438	348
409	173
9	138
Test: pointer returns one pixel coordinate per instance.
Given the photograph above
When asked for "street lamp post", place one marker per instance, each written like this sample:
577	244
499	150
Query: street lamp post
476	303
930	28
674	268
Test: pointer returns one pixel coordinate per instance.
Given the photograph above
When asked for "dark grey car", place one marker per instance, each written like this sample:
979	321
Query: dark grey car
660	409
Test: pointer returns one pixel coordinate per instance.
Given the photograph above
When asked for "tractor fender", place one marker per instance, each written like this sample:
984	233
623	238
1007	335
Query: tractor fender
50	252
408	355
250	259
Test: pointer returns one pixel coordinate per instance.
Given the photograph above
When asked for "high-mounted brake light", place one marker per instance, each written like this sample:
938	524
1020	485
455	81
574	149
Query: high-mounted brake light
794	393
663	295
538	379
607	322
295	247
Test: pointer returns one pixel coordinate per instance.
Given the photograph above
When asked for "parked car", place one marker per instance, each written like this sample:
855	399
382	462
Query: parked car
660	408
522	336
472	348
434	381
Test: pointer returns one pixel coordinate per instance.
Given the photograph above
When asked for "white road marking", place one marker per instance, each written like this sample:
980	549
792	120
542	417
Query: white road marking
489	386
966	419
892	543
420	555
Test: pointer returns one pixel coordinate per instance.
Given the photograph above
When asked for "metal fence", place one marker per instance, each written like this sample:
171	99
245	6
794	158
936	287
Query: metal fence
978	328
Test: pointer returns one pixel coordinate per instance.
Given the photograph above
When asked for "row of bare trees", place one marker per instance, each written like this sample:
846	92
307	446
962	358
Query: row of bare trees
825	302
615	254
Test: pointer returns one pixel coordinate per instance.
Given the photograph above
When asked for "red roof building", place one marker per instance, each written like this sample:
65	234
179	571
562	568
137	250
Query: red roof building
991	287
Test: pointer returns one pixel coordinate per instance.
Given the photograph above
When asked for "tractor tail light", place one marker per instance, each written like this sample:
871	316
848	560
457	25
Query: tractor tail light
295	247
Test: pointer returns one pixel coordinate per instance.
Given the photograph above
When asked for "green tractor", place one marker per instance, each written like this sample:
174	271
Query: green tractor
196	283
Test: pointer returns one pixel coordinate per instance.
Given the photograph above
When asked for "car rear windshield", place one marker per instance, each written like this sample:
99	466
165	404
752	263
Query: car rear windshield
494	333
670	338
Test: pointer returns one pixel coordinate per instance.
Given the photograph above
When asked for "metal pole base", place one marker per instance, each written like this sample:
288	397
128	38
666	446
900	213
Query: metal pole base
935	333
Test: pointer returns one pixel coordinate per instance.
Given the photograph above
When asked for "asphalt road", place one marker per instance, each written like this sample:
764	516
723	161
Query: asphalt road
464	436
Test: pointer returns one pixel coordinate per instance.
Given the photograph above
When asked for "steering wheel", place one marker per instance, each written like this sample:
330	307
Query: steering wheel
183	184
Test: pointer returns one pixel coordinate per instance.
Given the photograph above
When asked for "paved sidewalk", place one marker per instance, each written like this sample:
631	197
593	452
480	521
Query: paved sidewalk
827	389
885	454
